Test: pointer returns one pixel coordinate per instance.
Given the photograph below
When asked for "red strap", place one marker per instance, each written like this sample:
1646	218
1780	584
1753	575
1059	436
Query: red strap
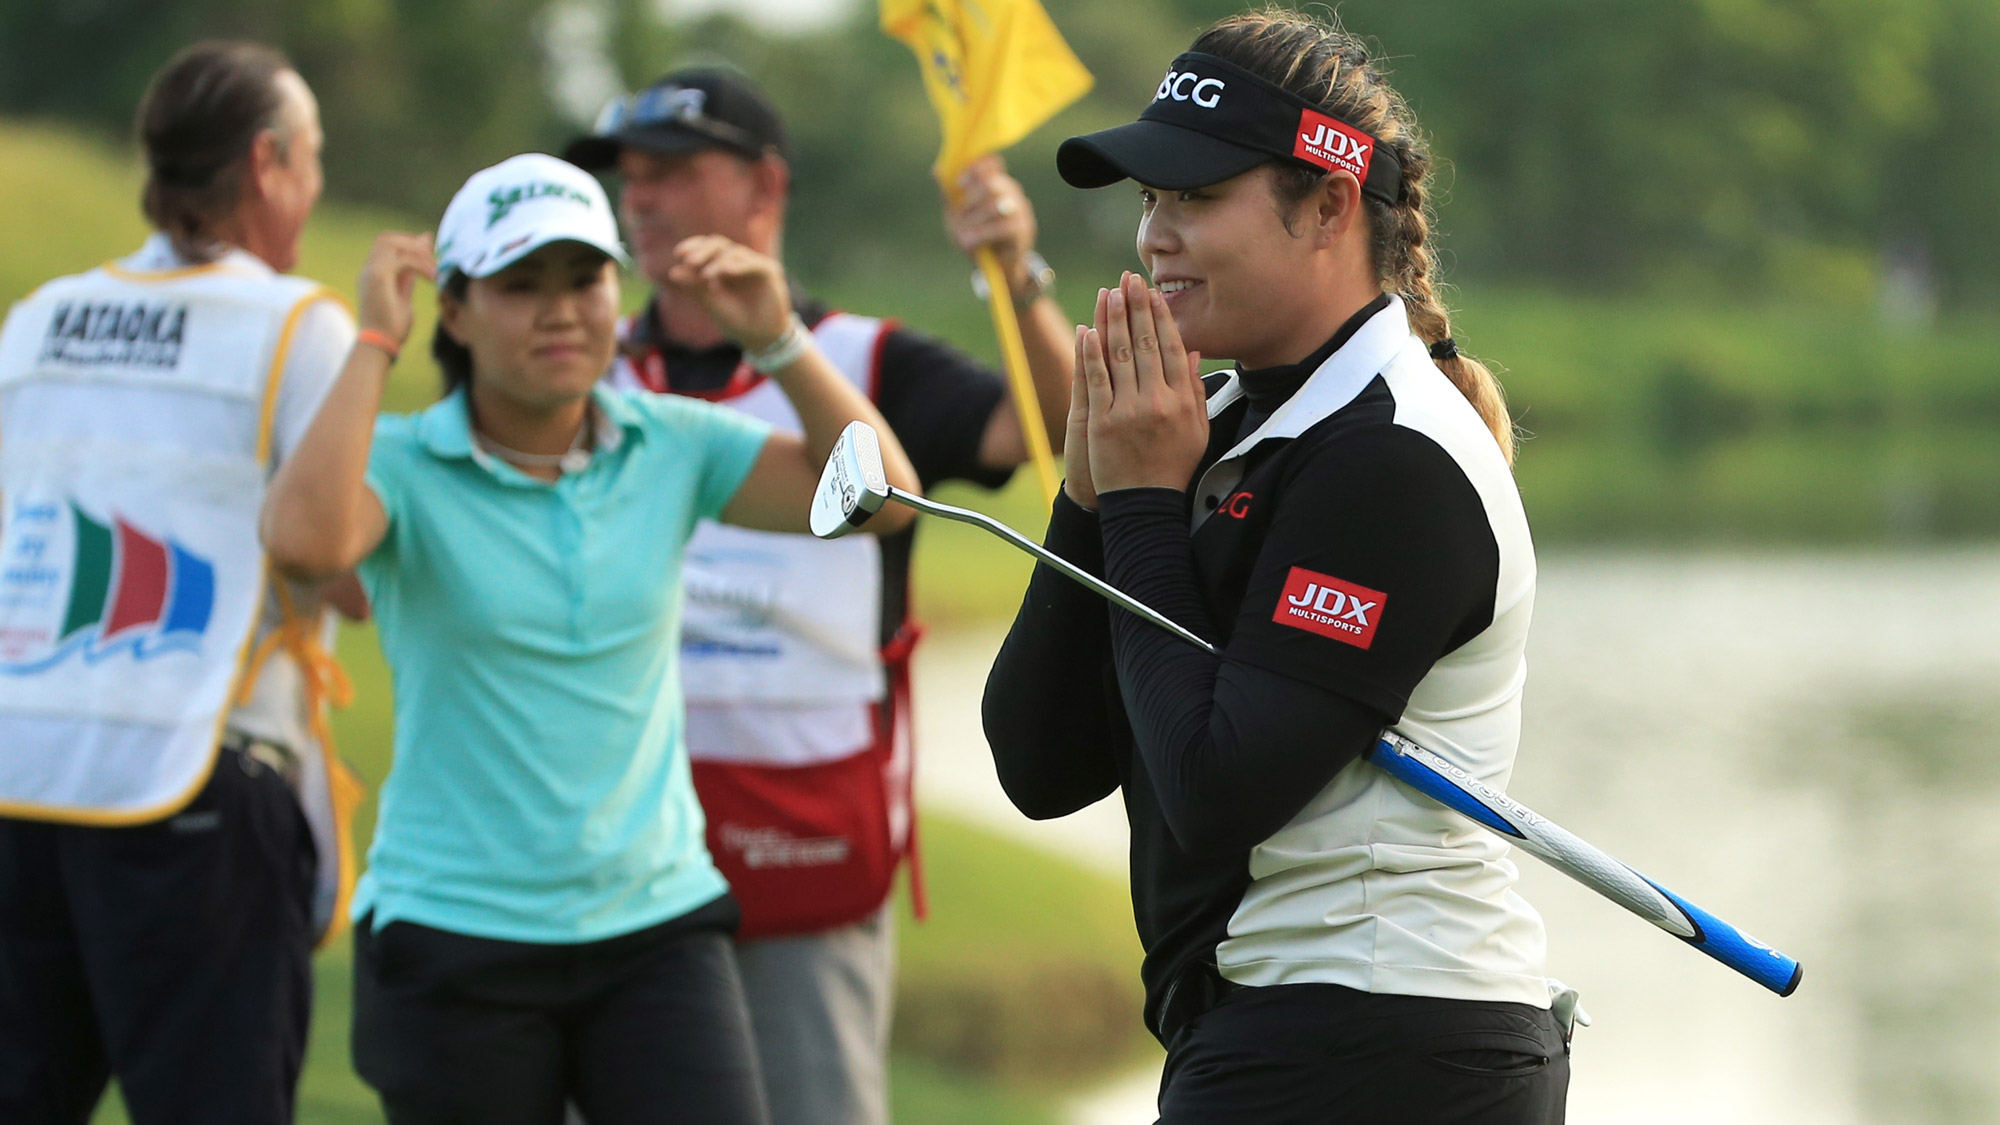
651	367
896	654
896	663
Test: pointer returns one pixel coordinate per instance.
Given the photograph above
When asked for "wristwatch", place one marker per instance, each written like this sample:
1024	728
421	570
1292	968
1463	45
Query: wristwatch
1041	281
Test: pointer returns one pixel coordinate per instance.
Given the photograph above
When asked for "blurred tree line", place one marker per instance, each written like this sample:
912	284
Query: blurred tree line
1791	147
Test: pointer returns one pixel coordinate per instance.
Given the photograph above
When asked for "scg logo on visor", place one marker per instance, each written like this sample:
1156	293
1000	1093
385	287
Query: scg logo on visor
1187	86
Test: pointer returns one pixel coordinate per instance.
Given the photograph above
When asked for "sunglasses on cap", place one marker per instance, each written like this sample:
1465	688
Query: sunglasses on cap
683	107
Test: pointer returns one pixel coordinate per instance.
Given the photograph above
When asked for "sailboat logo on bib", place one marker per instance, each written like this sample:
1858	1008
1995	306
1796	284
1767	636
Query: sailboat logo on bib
1320	603
71	586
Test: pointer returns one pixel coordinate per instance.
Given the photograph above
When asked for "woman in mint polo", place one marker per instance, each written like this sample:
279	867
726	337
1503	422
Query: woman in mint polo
540	921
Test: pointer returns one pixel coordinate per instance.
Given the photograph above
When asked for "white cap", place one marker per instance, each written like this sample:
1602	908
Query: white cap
508	211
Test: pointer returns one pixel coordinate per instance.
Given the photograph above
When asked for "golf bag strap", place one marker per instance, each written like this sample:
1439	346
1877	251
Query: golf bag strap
331	800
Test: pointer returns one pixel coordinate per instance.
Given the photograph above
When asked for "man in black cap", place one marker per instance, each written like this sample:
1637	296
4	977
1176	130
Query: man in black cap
796	650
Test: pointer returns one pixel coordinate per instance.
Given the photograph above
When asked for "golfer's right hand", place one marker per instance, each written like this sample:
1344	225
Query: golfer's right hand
1076	446
743	291
388	278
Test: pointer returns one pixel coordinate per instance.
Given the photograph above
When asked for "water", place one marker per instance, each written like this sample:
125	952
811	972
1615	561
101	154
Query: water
1807	745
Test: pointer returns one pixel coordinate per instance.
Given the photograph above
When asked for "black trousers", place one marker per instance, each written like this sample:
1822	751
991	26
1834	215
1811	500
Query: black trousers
1321	1054
175	956
648	1027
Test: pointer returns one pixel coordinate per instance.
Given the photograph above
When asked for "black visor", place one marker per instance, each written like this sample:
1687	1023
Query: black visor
1211	120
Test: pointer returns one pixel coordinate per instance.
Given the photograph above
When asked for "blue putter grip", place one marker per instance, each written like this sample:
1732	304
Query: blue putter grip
1590	866
1737	949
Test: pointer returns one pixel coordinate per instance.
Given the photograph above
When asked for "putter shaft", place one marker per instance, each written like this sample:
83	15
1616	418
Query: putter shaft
1104	589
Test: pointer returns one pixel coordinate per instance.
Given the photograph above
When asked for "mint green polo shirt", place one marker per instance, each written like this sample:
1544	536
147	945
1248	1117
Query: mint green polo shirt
540	789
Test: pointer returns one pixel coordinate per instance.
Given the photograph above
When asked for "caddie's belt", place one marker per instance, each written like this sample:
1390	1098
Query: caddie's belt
275	755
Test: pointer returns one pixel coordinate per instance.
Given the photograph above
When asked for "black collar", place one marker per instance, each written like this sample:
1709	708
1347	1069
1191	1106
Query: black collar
1267	388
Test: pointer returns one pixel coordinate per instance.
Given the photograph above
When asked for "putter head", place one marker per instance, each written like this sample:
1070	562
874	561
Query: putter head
852	487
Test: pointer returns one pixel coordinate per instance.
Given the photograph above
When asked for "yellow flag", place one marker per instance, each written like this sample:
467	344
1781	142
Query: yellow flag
995	71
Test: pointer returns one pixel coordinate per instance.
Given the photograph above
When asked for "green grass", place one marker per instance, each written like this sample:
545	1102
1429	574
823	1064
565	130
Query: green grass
1682	370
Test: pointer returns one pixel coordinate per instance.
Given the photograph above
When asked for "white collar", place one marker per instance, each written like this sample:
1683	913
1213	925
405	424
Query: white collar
158	255
1332	385
607	434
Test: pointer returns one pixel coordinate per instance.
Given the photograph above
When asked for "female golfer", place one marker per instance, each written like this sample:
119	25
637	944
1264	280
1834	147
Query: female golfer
540	920
1322	944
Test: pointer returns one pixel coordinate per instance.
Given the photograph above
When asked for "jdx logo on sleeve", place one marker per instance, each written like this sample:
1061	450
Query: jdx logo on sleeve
1320	603
1333	145
1187	86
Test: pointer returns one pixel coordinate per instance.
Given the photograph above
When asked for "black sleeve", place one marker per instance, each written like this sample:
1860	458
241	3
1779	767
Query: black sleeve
1235	746
1047	705
1380	559
939	402
1232	752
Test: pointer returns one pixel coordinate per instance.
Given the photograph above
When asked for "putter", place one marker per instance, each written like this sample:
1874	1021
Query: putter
853	487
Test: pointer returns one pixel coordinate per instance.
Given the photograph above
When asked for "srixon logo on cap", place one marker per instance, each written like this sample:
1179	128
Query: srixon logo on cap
1320	603
1333	145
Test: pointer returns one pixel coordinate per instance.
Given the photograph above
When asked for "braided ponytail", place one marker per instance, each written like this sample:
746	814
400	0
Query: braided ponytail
1408	260
1323	63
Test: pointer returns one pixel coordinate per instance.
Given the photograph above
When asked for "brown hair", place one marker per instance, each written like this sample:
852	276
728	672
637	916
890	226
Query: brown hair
197	122
1323	63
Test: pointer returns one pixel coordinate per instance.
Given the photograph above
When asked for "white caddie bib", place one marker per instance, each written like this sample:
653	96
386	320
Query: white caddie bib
778	618
137	415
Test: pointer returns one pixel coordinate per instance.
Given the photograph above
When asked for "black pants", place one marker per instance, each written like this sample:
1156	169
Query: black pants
174	955
1320	1053
645	1027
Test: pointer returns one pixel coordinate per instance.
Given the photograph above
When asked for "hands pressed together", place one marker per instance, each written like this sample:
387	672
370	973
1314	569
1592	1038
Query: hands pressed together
1138	415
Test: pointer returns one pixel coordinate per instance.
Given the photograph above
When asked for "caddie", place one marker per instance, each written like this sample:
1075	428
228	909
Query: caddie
796	651
172	836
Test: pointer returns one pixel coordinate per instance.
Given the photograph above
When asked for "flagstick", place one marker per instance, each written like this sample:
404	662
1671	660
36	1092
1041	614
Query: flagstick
1027	405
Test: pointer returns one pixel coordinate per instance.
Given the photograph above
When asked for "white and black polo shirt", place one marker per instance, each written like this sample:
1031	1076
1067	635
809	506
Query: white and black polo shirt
1359	552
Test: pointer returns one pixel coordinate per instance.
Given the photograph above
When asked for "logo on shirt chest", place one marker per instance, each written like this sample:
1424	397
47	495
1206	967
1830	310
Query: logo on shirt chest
1320	603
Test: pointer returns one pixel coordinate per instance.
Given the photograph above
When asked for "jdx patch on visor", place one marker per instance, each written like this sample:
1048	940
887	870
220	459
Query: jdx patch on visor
1211	119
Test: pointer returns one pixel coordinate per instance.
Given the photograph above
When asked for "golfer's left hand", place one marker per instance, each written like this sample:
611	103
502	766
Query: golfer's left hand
743	291
1148	420
993	212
